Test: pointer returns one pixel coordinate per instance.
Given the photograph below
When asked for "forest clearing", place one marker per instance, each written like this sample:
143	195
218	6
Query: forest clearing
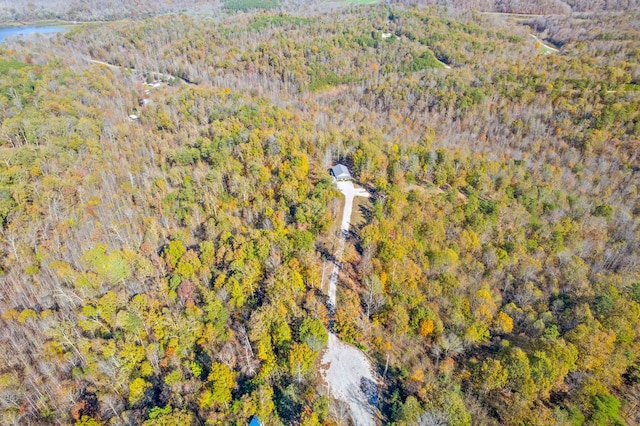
544	48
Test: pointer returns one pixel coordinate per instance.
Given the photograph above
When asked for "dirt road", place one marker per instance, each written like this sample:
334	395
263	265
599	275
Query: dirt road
164	77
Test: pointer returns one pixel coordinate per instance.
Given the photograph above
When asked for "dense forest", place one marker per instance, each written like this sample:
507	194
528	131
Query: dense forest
165	219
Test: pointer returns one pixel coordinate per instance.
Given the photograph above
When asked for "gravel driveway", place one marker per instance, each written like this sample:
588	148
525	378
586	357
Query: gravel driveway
349	373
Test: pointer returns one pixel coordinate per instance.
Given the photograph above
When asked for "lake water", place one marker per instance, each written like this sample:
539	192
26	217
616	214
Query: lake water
26	30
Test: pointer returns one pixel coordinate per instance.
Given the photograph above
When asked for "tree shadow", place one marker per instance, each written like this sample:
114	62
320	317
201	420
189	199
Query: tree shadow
367	213
370	390
286	405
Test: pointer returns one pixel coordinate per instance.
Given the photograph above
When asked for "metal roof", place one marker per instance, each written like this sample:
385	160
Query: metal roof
340	171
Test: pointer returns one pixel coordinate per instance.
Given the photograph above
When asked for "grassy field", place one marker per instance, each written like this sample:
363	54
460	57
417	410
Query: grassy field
244	5
543	47
8	65
361	1
517	17
546	50
349	2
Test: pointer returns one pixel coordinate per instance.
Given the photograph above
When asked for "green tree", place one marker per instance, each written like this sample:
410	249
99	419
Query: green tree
168	416
313	333
301	359
174	252
88	421
137	389
221	381
492	375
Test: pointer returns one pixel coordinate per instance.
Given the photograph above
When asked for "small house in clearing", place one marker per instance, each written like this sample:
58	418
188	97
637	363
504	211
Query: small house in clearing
340	172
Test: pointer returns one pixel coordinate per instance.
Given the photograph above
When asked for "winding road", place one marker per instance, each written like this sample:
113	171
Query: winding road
349	374
163	76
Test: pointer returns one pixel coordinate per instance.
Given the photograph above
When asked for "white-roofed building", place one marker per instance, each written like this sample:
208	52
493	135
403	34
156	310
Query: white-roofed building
340	172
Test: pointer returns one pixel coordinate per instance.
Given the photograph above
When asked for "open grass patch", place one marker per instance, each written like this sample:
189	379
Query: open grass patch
546	50
328	80
7	65
425	61
244	5
322	78
276	20
362	1
352	2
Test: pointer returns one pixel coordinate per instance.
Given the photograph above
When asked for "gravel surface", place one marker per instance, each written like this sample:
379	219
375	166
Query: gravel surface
349	373
350	379
350	192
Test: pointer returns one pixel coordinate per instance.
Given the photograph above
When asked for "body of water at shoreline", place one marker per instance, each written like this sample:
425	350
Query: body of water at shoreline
31	29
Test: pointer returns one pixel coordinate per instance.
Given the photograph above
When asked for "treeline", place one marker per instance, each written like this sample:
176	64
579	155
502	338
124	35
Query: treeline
541	7
94	10
170	268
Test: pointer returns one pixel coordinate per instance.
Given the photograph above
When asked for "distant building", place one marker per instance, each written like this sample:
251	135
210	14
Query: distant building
255	421
340	172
